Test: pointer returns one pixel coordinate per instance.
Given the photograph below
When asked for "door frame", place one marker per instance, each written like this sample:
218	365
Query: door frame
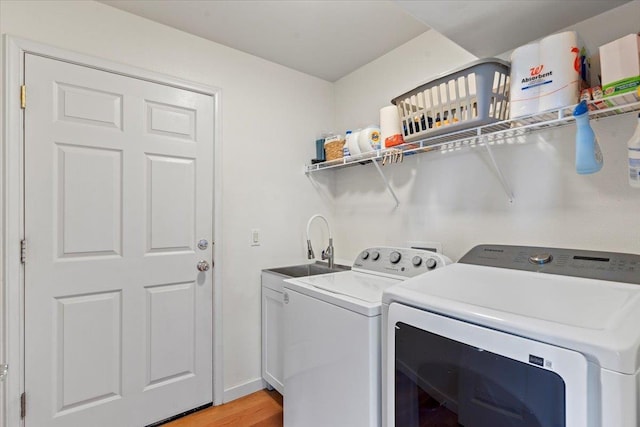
12	303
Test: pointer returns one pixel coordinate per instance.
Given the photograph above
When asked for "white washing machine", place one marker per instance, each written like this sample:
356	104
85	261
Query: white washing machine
516	336
332	341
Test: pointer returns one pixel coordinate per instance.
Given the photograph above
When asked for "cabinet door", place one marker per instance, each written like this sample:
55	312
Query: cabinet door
272	329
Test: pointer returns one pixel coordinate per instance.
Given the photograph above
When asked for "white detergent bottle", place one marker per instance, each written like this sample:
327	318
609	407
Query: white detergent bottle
633	146
588	155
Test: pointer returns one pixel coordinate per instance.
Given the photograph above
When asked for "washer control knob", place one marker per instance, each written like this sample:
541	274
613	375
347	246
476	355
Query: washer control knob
416	261
364	254
375	255
541	259
394	257
431	263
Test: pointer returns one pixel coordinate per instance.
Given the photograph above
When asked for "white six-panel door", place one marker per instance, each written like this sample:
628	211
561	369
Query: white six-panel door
118	192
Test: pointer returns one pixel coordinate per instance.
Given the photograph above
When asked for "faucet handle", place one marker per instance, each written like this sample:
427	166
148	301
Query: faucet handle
327	253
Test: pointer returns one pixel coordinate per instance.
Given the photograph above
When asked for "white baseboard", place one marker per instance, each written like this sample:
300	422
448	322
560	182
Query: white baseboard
244	389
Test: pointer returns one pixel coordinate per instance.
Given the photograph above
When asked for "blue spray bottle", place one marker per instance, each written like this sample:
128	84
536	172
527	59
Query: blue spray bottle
588	155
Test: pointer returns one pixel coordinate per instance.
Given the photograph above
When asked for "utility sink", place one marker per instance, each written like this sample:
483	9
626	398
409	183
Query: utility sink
303	270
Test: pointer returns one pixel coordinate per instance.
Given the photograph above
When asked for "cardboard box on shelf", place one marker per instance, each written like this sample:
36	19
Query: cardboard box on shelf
620	65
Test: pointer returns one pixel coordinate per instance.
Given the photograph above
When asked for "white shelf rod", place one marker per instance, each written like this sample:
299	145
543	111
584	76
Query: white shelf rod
503	180
386	181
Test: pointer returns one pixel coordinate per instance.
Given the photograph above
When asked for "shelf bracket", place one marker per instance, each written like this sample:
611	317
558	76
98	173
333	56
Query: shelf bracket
386	181
503	181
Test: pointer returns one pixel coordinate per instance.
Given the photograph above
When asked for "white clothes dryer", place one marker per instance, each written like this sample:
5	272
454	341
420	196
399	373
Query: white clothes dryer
516	336
332	333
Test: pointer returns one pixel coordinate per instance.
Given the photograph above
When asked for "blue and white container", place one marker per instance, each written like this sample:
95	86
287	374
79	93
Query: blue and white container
369	139
588	154
633	147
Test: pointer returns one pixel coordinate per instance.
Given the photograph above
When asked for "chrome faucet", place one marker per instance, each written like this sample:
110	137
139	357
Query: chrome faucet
327	253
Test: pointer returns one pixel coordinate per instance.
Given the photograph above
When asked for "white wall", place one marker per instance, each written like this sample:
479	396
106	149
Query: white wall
268	128
270	116
456	198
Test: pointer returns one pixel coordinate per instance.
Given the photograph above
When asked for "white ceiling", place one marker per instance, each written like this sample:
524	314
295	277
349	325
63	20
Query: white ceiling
331	38
491	27
327	39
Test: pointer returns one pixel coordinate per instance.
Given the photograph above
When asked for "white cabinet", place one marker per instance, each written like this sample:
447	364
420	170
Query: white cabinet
272	330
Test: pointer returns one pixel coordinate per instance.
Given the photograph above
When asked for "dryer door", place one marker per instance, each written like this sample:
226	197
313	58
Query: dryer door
444	372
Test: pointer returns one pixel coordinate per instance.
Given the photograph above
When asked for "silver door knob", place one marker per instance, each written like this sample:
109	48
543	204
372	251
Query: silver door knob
203	266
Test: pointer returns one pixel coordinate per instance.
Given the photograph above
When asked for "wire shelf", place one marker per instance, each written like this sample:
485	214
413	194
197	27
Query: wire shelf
493	133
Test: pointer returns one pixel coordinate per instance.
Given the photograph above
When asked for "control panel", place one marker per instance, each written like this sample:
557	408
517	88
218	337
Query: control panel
402	262
613	266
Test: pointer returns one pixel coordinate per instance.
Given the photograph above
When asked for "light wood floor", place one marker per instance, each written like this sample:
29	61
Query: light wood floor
260	409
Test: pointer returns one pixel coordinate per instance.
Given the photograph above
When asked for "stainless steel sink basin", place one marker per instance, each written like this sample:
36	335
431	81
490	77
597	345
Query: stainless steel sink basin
303	270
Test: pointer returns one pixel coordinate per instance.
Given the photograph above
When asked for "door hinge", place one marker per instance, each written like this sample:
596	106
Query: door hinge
23	97
23	251
23	405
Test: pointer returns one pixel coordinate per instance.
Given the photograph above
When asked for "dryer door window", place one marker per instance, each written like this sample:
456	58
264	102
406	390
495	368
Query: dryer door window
442	382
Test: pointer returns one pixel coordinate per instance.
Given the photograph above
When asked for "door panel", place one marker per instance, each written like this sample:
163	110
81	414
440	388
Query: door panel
89	333
88	106
89	201
171	203
118	188
171	120
170	332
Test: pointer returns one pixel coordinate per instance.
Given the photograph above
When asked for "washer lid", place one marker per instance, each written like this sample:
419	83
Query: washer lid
356	291
362	286
596	317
